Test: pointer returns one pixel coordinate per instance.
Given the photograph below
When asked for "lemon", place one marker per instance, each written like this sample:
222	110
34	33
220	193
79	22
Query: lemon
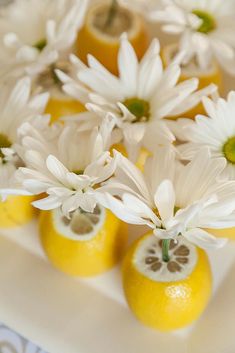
142	157
166	295
224	233
61	105
206	77
102	41
85	245
16	211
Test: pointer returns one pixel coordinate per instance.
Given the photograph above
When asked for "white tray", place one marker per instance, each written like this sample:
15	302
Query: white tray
67	315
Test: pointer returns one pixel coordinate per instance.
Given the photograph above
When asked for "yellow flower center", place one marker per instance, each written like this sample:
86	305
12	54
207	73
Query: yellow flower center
4	143
140	108
208	21
40	45
229	150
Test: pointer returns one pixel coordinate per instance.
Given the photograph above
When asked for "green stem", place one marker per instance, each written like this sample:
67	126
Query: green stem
112	13
165	249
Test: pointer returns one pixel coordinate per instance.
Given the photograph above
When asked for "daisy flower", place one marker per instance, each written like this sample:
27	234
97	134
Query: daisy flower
206	29
35	33
142	5
142	95
16	107
173	199
68	168
215	131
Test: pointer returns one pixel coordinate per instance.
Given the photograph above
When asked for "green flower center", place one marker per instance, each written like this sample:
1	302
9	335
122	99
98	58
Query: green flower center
176	209
139	108
4	143
78	172
229	150
40	45
208	21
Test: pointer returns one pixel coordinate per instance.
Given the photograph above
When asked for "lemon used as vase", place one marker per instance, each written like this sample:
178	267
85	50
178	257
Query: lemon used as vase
166	295
142	156
100	34
59	104
87	244
207	76
16	211
228	233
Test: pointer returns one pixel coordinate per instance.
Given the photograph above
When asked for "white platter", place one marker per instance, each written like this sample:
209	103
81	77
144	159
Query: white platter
69	315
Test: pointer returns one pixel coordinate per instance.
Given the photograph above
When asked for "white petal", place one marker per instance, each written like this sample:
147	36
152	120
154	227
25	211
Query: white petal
204	239
164	199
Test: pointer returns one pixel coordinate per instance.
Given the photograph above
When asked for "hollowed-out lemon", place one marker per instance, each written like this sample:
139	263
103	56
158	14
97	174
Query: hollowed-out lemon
211	75
166	295
16	211
87	244
101	39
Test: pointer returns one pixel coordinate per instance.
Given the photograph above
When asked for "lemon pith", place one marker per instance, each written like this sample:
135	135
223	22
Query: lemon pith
166	305
16	211
103	46
83	258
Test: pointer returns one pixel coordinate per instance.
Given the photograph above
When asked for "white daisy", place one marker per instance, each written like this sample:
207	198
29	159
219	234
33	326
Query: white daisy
16	107
143	6
216	131
35	33
69	168
142	95
173	199
206	29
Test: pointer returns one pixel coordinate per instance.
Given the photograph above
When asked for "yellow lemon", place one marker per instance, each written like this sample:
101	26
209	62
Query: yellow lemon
61	106
143	155
102	40
206	77
166	295
16	211
224	233
85	245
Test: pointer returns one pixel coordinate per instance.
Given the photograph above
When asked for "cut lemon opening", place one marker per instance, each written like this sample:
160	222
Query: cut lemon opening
86	244
102	40
166	295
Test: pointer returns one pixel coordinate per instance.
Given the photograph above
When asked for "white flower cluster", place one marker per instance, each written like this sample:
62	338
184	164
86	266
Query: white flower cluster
182	189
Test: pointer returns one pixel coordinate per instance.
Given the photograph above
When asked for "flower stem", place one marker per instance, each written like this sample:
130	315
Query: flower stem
165	249
112	13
